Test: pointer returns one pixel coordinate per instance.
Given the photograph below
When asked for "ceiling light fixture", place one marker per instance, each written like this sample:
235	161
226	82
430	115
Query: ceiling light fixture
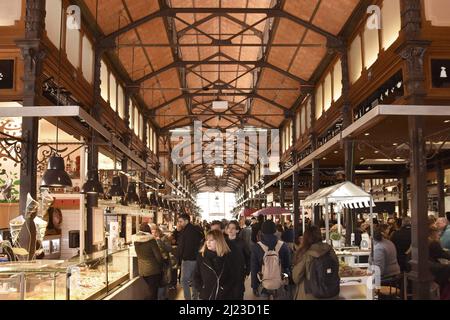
218	170
132	197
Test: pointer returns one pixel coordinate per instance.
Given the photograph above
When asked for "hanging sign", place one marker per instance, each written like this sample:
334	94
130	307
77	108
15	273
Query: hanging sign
7	74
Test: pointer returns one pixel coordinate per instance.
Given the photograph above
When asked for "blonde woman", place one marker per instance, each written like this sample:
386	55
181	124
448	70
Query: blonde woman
215	275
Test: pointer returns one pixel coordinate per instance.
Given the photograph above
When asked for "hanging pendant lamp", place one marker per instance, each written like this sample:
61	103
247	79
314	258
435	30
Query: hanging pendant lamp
144	200
132	197
116	188
92	185
55	175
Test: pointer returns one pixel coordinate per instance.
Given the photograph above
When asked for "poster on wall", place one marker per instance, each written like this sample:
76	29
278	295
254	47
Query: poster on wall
440	73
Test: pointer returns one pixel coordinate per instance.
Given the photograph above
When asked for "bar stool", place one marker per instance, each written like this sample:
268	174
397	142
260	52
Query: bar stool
393	284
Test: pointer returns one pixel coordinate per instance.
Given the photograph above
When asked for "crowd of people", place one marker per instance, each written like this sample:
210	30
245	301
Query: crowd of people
212	261
392	250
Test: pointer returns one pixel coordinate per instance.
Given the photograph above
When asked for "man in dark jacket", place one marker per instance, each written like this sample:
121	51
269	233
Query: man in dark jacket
269	239
246	234
241	258
402	241
256	228
189	242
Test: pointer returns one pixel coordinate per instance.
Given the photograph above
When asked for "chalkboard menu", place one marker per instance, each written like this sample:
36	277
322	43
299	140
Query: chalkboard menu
6	74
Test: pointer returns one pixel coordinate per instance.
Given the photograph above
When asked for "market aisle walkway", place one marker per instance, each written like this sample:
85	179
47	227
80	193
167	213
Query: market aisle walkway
248	295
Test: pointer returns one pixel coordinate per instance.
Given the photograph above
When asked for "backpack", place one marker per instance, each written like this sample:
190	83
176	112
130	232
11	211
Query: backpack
270	275
324	281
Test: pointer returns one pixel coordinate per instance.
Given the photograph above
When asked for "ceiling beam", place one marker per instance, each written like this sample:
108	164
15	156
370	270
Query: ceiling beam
257	32
270	12
206	94
190	65
194	25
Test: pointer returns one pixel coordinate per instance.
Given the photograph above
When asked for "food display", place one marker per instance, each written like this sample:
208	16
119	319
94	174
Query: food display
347	271
47	279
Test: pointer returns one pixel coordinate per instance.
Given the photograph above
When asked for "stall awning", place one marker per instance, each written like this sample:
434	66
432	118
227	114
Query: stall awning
345	194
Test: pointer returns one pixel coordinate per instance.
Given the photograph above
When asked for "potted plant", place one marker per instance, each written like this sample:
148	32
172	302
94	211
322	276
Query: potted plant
336	239
9	197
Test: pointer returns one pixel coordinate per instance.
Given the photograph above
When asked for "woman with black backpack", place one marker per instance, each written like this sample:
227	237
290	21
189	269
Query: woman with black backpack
316	268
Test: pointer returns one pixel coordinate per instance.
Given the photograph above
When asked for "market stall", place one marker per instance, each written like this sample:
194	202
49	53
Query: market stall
343	195
356	281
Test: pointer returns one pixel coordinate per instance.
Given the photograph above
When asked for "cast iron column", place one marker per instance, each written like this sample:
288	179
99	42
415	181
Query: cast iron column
32	54
92	158
315	174
441	185
281	187
295	181
413	52
405	202
350	218
315	186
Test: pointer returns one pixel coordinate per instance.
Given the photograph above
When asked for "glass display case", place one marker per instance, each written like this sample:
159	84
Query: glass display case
93	278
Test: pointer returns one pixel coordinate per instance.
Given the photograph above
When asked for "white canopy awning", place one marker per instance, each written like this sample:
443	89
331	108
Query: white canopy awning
345	194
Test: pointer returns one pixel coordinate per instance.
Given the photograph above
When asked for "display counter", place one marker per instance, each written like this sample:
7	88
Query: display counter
356	281
94	277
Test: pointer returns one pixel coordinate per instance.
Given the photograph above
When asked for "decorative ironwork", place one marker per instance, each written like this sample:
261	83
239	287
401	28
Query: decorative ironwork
46	150
58	95
10	141
396	153
387	93
330	133
436	142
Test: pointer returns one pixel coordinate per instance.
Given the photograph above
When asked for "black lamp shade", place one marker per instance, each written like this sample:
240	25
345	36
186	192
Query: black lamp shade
116	188
145	201
132	196
92	185
55	175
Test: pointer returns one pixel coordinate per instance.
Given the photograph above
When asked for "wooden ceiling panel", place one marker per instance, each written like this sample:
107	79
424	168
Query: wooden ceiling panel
176	108
232	52
141	8
301	8
153	32
152	98
194	81
159	57
281	57
137	67
262	107
288	32
244	81
332	17
308	59
110	14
